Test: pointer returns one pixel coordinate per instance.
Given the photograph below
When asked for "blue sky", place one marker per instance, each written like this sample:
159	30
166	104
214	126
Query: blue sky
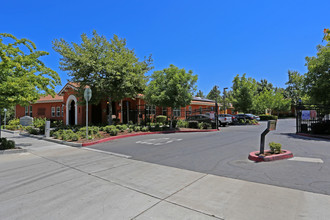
216	39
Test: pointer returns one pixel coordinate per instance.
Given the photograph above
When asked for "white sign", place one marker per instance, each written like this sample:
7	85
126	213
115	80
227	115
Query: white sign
88	94
211	115
305	115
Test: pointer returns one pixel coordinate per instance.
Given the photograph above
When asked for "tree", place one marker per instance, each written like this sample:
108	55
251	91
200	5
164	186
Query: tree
171	87
214	94
23	76
200	94
280	103
318	76
109	68
326	32
263	84
295	87
244	90
264	101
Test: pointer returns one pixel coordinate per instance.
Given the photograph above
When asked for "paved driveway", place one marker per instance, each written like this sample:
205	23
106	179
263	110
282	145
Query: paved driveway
225	153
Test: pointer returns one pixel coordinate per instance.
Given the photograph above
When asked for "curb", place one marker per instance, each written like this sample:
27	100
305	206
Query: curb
313	136
13	151
40	137
140	134
11	132
287	154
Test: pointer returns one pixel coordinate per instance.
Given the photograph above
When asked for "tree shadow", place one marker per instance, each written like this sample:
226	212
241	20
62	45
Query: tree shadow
302	137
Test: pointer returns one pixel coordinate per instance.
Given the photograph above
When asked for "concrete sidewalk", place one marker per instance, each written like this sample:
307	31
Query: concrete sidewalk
54	181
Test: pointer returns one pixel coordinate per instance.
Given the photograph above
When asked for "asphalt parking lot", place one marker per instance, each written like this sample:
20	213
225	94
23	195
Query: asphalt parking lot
225	154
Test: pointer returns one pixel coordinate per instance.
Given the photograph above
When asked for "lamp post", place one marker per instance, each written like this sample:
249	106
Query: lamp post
87	96
224	99
4	126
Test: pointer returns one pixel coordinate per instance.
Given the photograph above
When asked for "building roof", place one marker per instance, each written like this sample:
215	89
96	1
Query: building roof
202	99
50	99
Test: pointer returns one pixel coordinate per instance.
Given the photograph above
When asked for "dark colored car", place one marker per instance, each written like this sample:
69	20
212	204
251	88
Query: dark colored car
244	116
201	118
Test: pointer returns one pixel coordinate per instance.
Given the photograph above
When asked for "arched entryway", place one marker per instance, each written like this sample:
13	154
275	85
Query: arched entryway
71	110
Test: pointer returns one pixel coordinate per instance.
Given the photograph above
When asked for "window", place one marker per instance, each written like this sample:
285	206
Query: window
176	112
150	109
62	110
190	110
53	111
164	111
200	110
26	110
30	110
58	111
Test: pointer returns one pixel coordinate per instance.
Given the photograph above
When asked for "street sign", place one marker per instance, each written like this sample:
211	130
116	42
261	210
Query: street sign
87	94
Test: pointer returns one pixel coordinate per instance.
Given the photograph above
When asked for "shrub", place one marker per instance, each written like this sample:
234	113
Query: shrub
275	147
130	130
182	124
145	129
267	117
114	132
56	134
14	122
109	127
161	119
75	137
204	125
193	124
40	123
6	144
11	127
241	121
31	130
137	128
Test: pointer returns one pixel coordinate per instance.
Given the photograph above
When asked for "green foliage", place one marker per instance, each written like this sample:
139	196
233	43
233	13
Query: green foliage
56	134
6	144
14	122
145	129
23	76
32	130
161	119
114	132
214	94
267	117
171	87
182	124
130	130
295	89
204	125
275	147
318	76
193	124
75	137
109	128
137	128
40	124
108	67
244	90
200	94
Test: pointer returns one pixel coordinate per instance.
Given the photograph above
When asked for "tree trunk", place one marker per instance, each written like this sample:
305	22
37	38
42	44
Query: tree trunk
110	111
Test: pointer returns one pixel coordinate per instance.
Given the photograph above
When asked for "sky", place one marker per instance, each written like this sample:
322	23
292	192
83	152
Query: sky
215	39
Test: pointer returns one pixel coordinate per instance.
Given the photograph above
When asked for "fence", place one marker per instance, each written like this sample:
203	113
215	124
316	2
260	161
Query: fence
312	118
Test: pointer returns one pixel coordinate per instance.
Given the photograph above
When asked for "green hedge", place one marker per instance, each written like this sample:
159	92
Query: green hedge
161	119
267	117
6	144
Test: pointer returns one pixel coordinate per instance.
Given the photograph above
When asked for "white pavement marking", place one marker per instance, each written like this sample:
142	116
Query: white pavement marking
307	159
107	152
159	141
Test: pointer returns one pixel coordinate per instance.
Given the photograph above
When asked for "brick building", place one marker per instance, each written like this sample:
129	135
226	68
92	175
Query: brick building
64	106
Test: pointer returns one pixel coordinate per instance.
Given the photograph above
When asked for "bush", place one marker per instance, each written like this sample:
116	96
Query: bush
114	132
193	124
75	137
182	124
161	119
40	124
14	122
130	130
267	117
11	127
137	128
6	144
145	129
121	127
56	134
204	125
109	128
275	147
31	130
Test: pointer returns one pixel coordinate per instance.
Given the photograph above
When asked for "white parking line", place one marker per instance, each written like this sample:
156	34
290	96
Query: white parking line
307	159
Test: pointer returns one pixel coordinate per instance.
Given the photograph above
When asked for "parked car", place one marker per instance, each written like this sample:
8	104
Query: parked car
201	118
244	116
225	119
254	116
233	117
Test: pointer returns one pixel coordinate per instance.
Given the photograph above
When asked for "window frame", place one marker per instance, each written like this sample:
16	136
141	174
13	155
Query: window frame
58	111
26	110
53	112
177	112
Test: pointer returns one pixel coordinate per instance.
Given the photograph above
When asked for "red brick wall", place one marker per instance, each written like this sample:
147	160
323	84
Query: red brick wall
41	110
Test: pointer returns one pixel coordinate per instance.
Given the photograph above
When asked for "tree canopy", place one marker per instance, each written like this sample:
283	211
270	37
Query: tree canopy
200	94
295	87
110	68
171	87
23	76
318	76
244	90
214	94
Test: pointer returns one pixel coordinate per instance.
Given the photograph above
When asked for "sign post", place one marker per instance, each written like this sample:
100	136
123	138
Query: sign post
4	126
87	96
271	126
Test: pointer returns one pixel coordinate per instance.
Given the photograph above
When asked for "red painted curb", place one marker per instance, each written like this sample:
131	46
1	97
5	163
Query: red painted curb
287	154
140	134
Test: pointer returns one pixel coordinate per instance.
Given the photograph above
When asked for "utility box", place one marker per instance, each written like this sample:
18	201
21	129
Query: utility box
271	125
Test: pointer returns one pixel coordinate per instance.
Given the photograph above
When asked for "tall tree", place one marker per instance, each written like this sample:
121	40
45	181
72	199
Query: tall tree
200	94
244	90
318	76
263	84
110	68
23	76
295	87
214	94
171	87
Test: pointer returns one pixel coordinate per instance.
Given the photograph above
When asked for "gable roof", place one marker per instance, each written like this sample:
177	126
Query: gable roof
50	99
71	85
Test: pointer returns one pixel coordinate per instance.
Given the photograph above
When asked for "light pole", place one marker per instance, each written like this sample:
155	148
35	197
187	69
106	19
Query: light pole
224	99
5	110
